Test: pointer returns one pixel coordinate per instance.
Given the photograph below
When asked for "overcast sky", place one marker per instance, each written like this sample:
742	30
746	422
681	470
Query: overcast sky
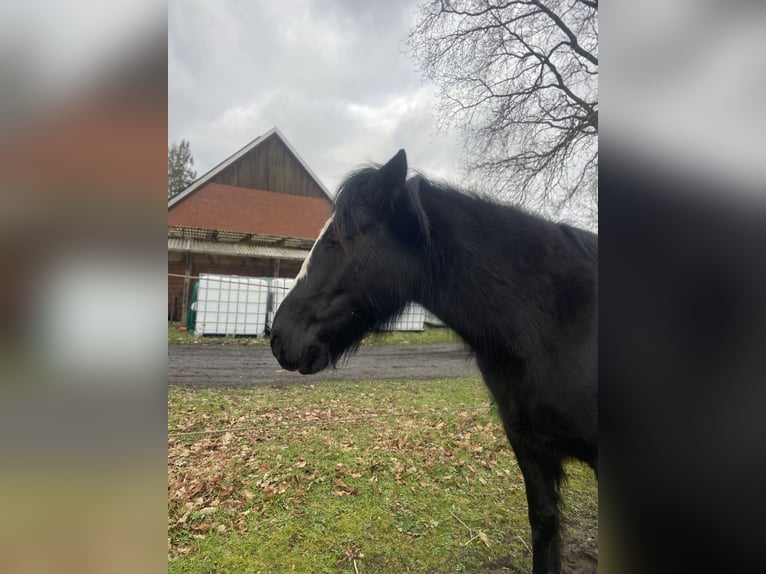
332	75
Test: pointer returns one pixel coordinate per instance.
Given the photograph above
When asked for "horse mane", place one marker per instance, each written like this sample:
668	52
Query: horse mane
586	241
347	197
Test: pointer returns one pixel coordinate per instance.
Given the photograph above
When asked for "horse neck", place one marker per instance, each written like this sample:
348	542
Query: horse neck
480	266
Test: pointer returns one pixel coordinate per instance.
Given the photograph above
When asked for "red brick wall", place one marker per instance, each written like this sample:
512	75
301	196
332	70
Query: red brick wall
216	206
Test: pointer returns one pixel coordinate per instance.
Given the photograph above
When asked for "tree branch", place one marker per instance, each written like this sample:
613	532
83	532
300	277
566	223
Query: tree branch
564	28
519	81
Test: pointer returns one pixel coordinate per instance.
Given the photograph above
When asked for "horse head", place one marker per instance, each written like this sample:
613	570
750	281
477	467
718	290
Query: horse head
361	271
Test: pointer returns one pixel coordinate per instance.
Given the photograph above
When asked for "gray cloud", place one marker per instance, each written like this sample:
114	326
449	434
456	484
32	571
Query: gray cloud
330	74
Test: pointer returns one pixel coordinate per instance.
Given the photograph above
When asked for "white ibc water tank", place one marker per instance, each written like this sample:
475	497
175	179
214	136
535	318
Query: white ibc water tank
433	320
279	289
231	305
410	319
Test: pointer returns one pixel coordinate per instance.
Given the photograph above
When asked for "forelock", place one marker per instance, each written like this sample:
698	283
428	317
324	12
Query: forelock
350	197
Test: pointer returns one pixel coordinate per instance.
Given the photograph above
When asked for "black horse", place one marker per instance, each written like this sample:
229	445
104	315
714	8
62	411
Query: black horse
519	290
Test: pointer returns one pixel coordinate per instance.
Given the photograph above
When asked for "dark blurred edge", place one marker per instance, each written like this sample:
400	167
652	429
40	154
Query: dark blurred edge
82	186
682	373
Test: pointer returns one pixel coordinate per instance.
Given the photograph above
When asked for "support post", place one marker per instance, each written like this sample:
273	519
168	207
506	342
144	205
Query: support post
187	274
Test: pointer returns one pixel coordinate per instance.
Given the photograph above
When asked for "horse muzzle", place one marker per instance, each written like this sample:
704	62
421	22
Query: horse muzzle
307	360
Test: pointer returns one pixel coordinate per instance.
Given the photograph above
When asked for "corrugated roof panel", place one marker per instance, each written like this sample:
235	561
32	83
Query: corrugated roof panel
236	249
219	235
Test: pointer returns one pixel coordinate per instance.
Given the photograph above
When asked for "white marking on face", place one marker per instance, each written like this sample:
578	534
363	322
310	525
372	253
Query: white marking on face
305	267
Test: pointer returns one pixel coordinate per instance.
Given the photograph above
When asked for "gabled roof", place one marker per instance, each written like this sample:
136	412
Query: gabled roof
238	154
246	210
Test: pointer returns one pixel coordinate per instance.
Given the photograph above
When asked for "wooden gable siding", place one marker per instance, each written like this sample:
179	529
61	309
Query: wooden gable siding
270	166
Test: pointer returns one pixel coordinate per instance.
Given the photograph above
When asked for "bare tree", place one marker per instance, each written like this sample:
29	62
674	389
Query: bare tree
520	79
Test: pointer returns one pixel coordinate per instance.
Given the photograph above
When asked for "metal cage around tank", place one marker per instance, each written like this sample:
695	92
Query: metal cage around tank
232	305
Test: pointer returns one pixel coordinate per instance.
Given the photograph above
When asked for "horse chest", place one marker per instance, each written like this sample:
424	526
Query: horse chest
534	411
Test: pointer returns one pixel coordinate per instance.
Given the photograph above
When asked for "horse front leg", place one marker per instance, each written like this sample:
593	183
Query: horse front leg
542	480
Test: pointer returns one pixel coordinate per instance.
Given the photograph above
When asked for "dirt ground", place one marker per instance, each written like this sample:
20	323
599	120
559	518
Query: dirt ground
223	365
579	550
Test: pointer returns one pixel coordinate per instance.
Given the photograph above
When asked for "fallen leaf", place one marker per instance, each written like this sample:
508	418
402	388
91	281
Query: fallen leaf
483	538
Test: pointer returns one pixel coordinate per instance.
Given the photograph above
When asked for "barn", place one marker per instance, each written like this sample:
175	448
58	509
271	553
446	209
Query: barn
256	214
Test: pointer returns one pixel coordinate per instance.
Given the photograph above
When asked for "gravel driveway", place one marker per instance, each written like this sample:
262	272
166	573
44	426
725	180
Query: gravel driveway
235	365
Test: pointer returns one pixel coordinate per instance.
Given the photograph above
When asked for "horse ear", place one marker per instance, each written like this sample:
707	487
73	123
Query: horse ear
400	200
391	177
388	183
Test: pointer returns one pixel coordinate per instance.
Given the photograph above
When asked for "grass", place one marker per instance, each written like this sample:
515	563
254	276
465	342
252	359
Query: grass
427	336
411	476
